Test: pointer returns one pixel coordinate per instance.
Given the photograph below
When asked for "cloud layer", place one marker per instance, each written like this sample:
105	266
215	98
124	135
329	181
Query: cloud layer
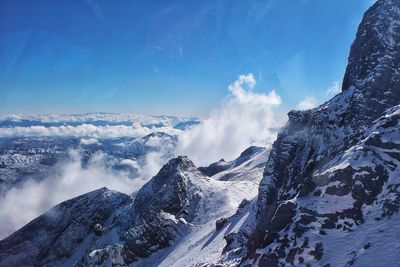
96	125
95	117
21	205
86	130
244	118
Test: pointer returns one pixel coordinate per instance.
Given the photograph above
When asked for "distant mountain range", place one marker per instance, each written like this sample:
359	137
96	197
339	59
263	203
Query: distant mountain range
30	146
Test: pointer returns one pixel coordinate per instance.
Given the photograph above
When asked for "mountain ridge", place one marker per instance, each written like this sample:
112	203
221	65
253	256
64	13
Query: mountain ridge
178	207
333	166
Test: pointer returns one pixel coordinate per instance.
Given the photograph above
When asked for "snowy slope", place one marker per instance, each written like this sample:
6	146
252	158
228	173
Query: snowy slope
176	210
250	164
334	171
64	233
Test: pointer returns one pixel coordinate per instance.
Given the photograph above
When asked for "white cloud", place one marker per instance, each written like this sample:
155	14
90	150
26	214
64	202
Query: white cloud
307	103
131	163
92	117
22	204
152	164
86	130
89	141
91	125
244	118
334	89
154	160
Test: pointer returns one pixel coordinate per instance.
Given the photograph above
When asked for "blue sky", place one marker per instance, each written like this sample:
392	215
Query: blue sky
168	57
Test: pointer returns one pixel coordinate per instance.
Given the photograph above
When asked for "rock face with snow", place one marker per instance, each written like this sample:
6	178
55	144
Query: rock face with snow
178	208
249	164
337	167
159	213
63	234
163	207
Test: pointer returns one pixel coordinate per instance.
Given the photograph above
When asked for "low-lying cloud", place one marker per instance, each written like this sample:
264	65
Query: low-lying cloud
70	179
94	117
244	118
85	130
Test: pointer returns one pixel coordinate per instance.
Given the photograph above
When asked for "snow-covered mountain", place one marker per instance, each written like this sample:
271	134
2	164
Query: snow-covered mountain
35	158
326	194
177	209
330	192
31	145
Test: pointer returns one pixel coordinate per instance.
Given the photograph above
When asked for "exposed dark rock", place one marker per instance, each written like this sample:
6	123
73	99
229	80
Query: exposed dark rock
270	260
307	219
282	217
98	229
318	252
220	223
328	224
50	234
342	153
172	192
223	165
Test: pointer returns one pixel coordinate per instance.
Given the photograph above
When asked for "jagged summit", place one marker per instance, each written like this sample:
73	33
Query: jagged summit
374	62
174	182
162	209
335	168
173	189
371	83
180	162
375	50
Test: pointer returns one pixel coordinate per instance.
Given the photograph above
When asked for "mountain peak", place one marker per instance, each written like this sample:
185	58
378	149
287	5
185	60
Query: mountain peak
374	55
371	83
331	167
251	150
181	161
175	181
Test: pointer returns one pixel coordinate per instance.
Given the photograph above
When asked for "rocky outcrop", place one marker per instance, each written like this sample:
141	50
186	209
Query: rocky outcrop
248	166
163	208
115	227
333	163
223	165
216	167
63	234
